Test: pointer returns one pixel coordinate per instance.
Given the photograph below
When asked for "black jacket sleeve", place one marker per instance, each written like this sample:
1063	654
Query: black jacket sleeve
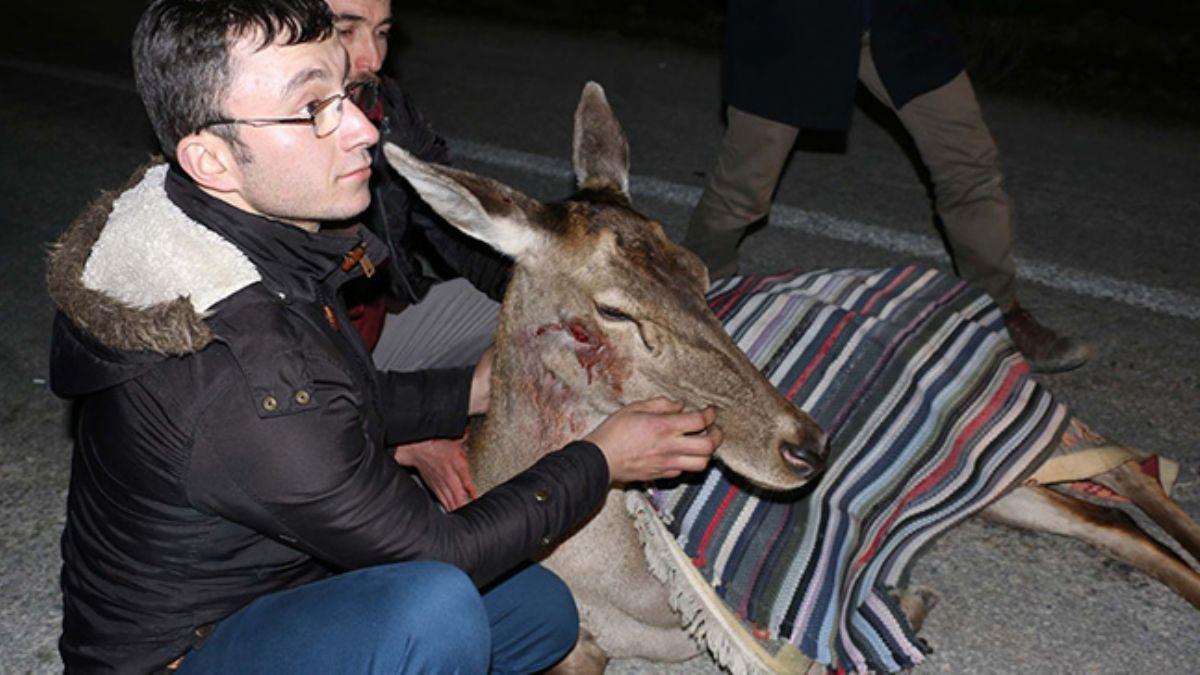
314	481
426	403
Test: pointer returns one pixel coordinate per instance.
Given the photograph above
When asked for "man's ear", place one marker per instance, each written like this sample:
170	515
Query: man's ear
209	162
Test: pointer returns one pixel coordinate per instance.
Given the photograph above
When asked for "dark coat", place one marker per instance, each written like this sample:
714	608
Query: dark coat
796	61
410	228
232	436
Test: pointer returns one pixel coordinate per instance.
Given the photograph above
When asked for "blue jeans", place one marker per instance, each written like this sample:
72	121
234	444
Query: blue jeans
414	617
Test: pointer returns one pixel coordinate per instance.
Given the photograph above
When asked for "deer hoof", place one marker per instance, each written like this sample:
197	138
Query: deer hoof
916	603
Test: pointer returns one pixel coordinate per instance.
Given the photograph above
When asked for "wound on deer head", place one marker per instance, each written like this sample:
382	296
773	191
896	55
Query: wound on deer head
579	332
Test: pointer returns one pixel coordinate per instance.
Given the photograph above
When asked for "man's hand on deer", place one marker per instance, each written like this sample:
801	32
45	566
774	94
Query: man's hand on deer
481	384
653	439
443	466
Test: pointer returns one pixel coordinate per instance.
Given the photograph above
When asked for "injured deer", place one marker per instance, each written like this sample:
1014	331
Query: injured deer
603	309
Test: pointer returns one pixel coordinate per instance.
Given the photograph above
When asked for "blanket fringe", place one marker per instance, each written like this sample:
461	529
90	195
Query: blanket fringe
702	612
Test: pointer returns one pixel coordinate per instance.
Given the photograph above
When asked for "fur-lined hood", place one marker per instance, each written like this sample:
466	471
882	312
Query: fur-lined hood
137	274
135	279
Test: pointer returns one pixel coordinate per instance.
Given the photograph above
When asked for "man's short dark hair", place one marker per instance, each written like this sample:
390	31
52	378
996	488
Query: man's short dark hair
181	55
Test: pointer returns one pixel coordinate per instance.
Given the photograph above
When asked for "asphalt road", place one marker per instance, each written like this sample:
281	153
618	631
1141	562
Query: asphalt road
1107	216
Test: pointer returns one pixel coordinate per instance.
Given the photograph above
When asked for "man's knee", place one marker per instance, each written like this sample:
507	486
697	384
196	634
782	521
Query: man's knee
431	617
535	621
560	626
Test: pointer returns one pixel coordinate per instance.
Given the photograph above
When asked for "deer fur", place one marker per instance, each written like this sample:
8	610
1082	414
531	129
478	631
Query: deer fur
602	310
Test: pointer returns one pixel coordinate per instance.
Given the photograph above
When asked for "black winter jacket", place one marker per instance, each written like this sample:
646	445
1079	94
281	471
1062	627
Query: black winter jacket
231	435
796	61
422	247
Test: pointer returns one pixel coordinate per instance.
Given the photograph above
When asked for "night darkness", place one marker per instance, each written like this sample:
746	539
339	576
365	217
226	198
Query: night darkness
1109	56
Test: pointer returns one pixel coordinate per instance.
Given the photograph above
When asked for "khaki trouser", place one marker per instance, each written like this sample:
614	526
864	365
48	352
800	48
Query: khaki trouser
450	328
954	142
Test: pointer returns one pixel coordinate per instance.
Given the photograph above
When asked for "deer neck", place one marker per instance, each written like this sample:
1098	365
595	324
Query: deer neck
546	388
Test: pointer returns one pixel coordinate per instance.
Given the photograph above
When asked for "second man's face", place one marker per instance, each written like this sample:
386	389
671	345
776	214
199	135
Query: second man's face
363	27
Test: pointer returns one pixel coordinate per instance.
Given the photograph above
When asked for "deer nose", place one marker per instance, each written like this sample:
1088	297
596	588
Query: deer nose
807	458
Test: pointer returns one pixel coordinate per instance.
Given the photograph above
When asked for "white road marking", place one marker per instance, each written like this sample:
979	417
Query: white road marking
1099	286
1089	284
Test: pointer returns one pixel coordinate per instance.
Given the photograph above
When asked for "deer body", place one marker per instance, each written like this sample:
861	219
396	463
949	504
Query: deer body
590	324
603	310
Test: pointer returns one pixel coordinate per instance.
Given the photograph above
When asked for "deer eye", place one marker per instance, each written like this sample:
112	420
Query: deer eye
612	313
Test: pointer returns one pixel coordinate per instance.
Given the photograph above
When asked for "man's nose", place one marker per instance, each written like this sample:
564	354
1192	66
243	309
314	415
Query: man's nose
370	59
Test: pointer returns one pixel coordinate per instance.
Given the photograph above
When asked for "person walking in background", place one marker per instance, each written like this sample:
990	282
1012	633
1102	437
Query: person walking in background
792	65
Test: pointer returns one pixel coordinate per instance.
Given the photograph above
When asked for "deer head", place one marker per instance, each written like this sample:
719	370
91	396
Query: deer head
603	310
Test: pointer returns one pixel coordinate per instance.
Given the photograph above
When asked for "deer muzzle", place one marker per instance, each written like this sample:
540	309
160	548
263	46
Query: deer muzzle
807	458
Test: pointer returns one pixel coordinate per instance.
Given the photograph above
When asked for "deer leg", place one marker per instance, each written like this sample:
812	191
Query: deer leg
1111	531
586	658
625	636
916	603
1129	481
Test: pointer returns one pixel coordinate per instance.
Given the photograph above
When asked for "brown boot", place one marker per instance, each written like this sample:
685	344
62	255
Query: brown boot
1047	351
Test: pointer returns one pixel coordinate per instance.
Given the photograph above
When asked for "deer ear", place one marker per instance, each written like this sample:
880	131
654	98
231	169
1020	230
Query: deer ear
601	153
480	207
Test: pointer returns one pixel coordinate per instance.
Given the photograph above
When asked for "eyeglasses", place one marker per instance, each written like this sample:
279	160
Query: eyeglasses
365	95
325	115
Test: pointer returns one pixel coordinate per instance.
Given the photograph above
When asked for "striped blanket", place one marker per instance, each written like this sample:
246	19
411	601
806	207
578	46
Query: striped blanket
930	414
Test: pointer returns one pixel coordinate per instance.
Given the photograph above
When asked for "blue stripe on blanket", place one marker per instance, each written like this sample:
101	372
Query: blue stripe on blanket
930	413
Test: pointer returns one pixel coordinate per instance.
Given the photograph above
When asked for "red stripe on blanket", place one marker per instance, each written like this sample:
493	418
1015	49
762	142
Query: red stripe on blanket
888	289
736	294
825	347
1014	374
731	297
699	560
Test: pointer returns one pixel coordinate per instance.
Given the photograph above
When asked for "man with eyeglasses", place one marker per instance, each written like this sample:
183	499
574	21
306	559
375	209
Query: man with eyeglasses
234	505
